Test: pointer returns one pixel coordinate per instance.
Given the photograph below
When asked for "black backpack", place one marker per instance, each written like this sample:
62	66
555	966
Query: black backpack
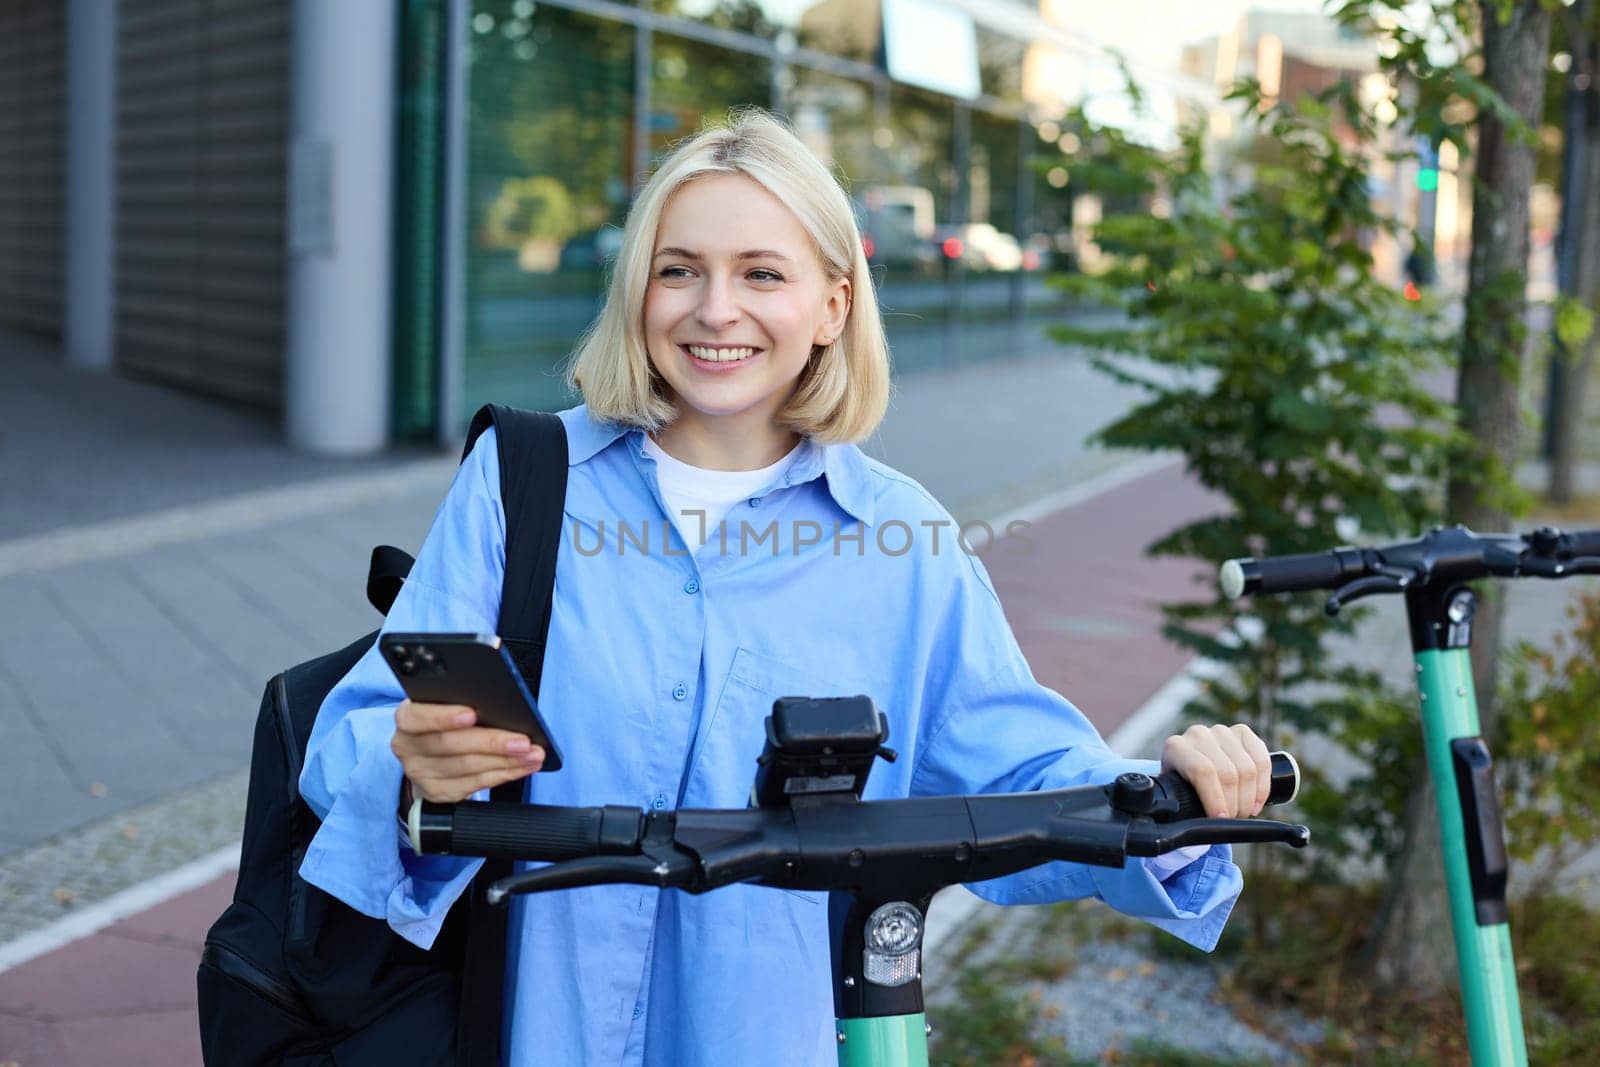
292	975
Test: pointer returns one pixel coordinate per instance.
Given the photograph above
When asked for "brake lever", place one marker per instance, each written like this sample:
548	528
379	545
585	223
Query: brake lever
1147	837
594	870
660	861
1387	580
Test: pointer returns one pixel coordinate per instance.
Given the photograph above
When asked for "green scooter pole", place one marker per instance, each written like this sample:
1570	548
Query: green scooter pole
887	1041
1470	824
877	994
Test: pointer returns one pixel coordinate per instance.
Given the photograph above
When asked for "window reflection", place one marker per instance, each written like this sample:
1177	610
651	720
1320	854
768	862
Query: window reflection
691	81
958	222
549	168
914	203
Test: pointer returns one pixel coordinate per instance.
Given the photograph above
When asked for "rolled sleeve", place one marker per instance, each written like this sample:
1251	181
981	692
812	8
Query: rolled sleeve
994	728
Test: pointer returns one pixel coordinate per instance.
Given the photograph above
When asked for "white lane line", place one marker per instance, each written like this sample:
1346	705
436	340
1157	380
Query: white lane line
92	918
1072	495
190	522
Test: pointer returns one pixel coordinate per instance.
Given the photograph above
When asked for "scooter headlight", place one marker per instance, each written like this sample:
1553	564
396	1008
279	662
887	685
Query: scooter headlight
893	954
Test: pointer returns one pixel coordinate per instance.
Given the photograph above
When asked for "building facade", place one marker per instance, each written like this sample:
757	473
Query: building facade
374	215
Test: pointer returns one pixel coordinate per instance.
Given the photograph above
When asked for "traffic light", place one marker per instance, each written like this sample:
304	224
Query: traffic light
1428	179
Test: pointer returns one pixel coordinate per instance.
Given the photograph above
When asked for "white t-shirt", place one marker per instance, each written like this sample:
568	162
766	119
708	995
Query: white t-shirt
687	490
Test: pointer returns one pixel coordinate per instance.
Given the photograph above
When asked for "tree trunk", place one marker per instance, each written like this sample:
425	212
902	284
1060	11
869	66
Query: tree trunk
1569	408
1411	947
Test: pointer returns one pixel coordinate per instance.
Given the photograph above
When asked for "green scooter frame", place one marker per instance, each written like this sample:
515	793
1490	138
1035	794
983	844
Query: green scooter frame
1470	824
1433	572
888	1041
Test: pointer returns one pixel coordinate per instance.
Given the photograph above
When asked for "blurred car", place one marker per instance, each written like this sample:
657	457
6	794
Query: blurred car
896	224
979	247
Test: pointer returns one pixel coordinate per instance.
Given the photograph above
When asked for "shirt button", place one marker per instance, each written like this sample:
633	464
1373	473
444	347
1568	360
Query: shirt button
637	1011
659	801
755	502
691	587
680	692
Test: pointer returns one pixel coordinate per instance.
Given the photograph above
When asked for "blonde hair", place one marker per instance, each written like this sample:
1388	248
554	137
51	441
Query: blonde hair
843	391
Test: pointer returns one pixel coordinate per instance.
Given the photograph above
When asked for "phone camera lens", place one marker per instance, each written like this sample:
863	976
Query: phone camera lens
408	666
426	656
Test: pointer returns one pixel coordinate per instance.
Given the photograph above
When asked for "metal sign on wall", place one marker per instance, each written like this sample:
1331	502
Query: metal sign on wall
932	46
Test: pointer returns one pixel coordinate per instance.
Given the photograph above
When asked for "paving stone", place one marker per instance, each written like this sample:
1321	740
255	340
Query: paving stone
141	1039
29	1042
182	921
102	975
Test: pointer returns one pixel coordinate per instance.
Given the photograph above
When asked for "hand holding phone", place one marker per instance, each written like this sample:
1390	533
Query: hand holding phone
469	722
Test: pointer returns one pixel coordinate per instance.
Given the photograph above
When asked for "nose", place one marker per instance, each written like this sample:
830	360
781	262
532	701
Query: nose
718	310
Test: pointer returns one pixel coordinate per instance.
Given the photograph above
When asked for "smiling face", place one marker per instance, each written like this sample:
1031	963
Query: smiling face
737	299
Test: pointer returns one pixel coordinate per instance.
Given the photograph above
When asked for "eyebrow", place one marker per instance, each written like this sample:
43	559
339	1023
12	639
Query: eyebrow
754	253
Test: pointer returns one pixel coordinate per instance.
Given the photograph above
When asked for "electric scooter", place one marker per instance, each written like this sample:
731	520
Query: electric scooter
1432	572
882	861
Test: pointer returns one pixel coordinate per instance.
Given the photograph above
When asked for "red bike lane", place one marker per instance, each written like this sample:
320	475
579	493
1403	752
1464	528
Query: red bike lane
1081	596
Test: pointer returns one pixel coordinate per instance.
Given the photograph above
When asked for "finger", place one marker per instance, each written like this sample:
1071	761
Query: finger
1222	770
1256	749
413	718
1244	770
474	764
454	790
1181	756
472	740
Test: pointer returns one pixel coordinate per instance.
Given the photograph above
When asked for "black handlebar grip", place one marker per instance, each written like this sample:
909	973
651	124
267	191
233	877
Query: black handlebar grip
1287	574
1585	542
525	831
1285	787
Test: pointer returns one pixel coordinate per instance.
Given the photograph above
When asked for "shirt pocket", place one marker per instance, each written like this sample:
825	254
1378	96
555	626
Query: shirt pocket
723	767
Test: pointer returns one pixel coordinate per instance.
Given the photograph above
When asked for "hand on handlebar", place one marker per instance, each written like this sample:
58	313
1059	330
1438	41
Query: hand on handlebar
447	758
1228	766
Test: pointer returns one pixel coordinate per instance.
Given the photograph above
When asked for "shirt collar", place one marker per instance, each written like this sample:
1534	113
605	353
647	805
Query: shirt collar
844	468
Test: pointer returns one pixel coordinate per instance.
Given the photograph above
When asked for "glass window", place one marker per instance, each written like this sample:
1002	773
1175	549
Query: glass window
1000	64
994	256
549	170
761	19
911	217
691	81
849	28
1051	231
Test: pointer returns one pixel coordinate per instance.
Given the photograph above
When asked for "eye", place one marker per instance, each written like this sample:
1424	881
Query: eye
764	274
673	272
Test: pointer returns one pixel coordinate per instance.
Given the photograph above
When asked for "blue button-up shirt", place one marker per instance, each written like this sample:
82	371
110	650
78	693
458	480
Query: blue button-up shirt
842	577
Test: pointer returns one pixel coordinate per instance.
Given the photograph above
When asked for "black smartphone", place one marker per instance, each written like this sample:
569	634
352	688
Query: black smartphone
474	670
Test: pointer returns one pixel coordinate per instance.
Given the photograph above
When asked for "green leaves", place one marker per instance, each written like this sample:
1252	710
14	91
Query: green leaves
1288	377
1574	322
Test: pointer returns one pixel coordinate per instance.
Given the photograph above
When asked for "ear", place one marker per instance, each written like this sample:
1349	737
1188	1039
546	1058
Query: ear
835	311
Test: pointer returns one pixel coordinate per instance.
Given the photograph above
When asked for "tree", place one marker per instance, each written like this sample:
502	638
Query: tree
1292	380
1577	36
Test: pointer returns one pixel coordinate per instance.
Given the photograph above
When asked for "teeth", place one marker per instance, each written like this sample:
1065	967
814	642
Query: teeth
721	355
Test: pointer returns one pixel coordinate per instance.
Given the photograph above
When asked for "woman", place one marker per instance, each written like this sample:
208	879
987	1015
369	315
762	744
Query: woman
728	545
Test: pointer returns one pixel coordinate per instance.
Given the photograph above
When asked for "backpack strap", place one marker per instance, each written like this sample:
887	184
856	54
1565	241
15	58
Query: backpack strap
533	490
385	575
